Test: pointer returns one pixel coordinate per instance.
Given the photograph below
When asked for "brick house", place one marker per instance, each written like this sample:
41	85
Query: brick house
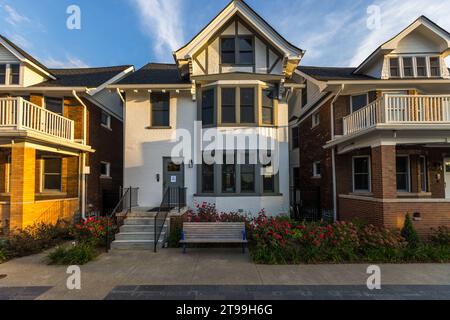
61	138
374	140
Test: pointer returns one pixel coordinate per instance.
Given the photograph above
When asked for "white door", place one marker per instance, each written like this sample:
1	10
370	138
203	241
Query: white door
447	177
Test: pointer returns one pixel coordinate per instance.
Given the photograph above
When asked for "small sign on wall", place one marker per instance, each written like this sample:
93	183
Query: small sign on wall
173	179
87	170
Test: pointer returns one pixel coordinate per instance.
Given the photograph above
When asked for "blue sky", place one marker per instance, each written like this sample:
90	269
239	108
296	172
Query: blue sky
113	32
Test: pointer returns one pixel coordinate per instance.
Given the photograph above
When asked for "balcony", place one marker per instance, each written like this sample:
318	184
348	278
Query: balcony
17	114
415	110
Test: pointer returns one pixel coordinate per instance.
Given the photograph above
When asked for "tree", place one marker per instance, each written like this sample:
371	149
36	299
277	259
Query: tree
409	233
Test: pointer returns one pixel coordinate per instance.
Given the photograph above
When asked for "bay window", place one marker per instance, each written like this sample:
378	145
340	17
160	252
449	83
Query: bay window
228	173
247	105
361	174
267	107
403	174
208	98
228	105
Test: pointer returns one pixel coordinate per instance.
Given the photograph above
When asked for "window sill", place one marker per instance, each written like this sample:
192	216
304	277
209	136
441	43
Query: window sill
106	127
241	195
414	195
362	193
51	193
158	128
316	177
106	177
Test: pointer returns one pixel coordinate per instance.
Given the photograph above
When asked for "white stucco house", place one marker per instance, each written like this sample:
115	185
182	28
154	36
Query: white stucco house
235	77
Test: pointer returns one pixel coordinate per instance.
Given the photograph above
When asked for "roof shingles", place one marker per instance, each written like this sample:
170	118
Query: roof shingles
155	73
333	73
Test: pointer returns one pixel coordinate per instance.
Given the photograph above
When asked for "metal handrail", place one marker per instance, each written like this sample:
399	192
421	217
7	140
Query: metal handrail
124	206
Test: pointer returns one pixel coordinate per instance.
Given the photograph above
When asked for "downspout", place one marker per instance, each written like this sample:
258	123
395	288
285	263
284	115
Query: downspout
333	153
83	157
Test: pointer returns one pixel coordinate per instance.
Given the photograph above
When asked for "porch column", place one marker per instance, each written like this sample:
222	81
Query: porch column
23	170
384	172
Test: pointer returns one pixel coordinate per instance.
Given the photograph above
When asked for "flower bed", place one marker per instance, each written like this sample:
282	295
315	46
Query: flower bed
283	241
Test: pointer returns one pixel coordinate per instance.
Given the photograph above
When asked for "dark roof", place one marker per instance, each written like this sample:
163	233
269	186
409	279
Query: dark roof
332	73
26	55
155	73
82	77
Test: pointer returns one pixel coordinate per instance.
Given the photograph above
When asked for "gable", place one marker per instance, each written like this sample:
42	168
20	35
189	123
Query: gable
7	56
421	40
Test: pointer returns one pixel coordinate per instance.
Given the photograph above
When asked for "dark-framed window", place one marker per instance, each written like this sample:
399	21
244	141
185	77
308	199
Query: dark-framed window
295	138
267	107
394	67
208	98
237	50
228	50
207	178
423	174
228	106
421	63
247	105
435	67
296	178
160	105
105	169
55	105
229	173
268	175
403	174
105	119
408	67
361	174
14	73
2	73
246	46
52	173
248	171
359	101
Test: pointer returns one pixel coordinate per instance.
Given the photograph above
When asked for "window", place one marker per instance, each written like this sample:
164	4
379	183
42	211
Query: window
245	50
160	103
14	74
55	105
394	67
247	105
208	98
361	174
359	101
228	52
105	169
408	68
435	67
228	173
248	171
305	95
296	178
315	119
8	168
423	174
228	105
106	120
421	63
2	73
267	107
317	170
52	174
403	180
268	175
295	138
207	178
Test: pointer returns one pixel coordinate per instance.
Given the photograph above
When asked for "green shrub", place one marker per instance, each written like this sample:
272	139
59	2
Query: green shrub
77	255
409	233
176	228
440	236
92	230
2	255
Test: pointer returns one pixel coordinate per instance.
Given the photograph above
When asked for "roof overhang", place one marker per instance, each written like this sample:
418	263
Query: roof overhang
43	89
115	79
183	86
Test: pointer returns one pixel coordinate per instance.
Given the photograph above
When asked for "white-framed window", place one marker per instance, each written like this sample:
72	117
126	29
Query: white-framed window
408	67
51	174
105	169
394	67
106	120
435	67
317	169
403	174
10	74
359	101
422	66
55	105
315	119
423	173
361	174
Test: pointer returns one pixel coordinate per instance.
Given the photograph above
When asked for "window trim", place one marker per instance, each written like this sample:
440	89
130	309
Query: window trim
43	174
408	173
237	50
369	164
108	169
423	180
152	125
315	119
315	174
416	67
399	67
413	67
355	95
108	124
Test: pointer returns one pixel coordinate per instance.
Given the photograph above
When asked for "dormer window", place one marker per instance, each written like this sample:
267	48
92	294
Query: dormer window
394	67
14	74
421	63
435	67
237	50
408	68
2	73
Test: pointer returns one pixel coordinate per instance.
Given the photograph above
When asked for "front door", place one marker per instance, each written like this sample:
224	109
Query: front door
173	179
447	177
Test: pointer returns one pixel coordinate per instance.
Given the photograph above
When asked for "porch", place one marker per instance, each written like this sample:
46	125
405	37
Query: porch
381	184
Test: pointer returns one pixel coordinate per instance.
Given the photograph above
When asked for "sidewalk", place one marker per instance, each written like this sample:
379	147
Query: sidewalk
199	267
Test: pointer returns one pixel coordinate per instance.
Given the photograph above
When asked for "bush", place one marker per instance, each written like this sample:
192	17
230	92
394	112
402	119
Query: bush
208	213
409	233
2	255
92	231
79	254
36	238
440	236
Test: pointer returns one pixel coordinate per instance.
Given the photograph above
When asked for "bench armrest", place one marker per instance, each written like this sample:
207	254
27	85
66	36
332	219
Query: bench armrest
183	236
244	235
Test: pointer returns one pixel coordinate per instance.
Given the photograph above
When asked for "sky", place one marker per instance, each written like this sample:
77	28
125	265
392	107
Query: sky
118	32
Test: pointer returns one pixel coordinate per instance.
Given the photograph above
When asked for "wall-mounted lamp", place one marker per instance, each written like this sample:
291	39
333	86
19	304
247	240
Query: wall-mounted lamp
191	164
158	177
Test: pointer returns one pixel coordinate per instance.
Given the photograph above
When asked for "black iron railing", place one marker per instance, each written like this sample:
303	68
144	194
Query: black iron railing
116	219
173	198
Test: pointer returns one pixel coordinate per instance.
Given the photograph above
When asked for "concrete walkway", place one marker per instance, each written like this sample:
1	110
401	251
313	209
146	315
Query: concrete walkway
198	267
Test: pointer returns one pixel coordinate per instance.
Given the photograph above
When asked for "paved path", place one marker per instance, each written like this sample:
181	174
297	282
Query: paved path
216	267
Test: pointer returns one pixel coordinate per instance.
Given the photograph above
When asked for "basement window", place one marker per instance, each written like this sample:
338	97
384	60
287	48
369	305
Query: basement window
52	174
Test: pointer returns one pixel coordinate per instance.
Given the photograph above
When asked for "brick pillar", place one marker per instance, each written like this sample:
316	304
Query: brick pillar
23	177
384	181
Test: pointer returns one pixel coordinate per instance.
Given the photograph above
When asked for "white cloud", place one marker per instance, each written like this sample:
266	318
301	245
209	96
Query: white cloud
395	16
13	17
68	62
161	20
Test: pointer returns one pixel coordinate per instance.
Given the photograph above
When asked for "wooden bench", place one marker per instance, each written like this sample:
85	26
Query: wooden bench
214	232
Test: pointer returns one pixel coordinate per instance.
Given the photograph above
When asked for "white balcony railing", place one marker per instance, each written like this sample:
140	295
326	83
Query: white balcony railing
19	114
400	109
